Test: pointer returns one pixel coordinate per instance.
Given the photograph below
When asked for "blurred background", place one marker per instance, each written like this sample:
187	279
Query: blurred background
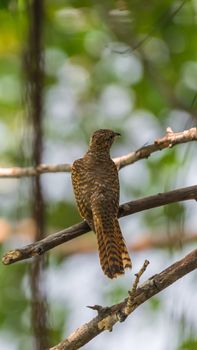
68	68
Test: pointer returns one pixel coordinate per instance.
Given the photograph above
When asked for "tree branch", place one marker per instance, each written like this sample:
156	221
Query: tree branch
109	316
33	171
168	141
146	241
40	247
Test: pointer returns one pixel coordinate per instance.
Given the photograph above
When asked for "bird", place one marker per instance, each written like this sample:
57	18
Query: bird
96	188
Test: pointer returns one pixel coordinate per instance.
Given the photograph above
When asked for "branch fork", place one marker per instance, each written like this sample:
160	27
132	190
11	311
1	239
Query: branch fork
129	302
108	317
108	320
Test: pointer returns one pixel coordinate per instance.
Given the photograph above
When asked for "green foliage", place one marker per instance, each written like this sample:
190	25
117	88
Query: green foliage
61	215
190	344
155	303
13	302
59	316
115	294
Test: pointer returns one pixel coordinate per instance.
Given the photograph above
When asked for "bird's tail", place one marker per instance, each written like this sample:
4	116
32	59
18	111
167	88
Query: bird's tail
113	253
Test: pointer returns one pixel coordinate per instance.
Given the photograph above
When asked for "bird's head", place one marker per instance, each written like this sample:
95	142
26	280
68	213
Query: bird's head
102	140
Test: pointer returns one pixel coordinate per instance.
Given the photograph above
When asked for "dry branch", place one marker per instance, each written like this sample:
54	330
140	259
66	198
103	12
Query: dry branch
33	171
144	242
108	317
169	140
40	247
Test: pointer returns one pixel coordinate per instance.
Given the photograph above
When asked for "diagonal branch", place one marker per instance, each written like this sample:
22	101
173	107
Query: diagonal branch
169	140
108	317
40	247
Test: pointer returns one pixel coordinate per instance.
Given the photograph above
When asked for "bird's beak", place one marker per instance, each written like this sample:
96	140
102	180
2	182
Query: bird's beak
117	134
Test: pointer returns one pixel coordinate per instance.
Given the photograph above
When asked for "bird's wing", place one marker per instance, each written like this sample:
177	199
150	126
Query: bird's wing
80	186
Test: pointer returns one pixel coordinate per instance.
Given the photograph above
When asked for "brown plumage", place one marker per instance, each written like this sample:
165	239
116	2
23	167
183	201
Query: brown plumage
96	187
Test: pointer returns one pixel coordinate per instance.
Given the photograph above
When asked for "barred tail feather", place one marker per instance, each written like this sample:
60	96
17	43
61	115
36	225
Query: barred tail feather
113	254
124	252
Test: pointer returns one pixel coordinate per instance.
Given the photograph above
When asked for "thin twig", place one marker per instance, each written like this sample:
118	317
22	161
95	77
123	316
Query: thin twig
40	247
129	303
110	316
169	140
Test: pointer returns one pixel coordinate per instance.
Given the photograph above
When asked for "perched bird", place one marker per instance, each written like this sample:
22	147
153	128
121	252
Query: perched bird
96	188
